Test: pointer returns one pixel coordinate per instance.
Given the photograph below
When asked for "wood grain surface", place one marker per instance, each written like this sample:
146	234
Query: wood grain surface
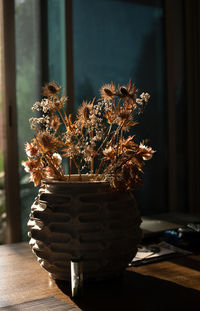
43	304
158	286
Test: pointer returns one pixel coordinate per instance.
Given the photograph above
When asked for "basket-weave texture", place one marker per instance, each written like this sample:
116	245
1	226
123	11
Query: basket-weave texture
84	221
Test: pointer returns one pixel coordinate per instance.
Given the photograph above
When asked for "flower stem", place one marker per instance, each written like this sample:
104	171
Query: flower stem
60	174
92	165
78	168
56	171
98	169
62	119
106	138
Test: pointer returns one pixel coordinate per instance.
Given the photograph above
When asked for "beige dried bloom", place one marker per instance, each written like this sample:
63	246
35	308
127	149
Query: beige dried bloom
46	142
57	105
146	152
55	123
125	119
31	149
51	89
57	158
108	91
85	111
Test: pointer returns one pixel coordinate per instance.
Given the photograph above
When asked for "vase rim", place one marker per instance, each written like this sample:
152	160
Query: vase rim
75	179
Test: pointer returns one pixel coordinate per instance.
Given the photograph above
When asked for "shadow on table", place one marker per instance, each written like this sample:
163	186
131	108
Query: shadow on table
135	292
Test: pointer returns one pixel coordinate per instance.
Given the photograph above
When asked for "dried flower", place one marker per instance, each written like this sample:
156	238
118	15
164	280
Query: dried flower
145	96
57	105
36	106
30	165
146	152
123	92
108	91
55	123
98	139
57	158
31	150
139	101
36	176
47	143
51	89
125	119
84	111
49	172
109	153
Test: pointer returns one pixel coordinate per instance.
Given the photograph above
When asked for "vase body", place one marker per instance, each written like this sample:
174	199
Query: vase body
84	221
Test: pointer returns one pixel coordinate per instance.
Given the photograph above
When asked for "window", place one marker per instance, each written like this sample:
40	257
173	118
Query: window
28	89
116	41
56	41
83	44
36	52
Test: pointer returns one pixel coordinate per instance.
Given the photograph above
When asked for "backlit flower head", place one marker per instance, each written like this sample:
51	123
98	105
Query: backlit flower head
108	91
123	92
125	119
36	177
51	89
31	150
46	142
57	158
56	105
109	153
145	96
55	123
146	152
30	165
85	111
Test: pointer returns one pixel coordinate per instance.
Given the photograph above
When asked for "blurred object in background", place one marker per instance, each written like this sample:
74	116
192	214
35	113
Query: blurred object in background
2	191
2	210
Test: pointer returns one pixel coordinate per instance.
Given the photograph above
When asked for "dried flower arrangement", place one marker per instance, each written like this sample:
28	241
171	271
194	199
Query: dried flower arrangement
98	142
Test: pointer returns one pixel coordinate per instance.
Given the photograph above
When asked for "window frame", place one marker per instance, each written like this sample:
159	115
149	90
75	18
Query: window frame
10	122
192	62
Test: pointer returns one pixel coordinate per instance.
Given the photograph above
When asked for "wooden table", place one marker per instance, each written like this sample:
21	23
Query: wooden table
159	286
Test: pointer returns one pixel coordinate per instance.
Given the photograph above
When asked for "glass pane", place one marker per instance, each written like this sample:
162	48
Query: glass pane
56	42
2	192
28	84
56	45
116	40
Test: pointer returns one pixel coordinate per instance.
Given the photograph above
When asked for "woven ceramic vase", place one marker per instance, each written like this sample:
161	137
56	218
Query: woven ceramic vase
84	220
